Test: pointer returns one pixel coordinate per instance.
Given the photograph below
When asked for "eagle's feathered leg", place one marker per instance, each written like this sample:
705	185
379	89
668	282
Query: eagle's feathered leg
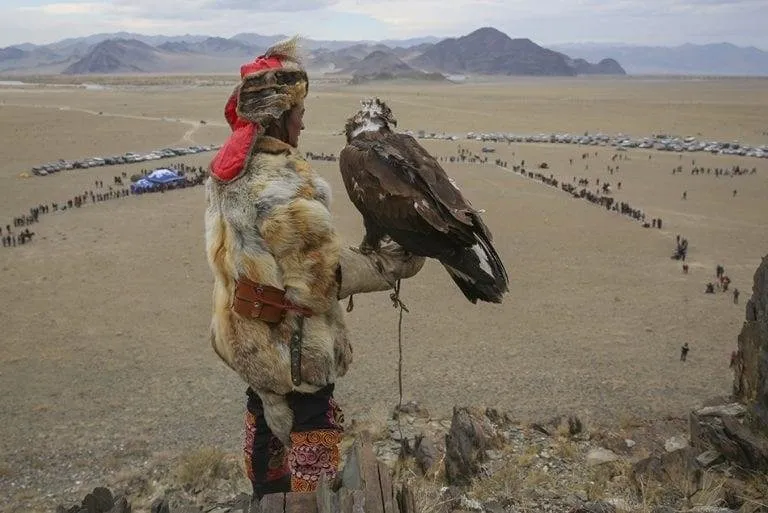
372	239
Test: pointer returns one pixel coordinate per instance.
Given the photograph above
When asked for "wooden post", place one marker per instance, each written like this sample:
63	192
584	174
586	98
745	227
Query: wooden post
366	487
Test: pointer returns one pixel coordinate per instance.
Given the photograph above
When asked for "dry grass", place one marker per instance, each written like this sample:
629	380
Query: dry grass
756	492
198	469
601	478
506	481
566	448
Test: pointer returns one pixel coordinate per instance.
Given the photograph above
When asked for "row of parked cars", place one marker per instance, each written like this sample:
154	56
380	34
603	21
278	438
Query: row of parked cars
661	142
126	158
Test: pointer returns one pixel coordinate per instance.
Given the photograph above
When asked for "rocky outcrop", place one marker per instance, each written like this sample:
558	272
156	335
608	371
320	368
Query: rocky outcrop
465	446
100	500
723	430
750	385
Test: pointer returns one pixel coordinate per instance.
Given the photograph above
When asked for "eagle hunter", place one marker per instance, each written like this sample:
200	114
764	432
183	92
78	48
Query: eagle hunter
403	193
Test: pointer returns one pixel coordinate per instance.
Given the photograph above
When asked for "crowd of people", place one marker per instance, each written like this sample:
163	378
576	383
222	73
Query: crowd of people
328	157
717	172
18	233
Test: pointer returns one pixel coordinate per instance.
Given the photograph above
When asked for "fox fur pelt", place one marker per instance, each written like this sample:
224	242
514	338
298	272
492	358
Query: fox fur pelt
272	224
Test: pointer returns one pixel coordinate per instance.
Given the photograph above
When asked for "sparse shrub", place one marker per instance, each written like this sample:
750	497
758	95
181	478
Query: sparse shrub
200	468
566	449
506	481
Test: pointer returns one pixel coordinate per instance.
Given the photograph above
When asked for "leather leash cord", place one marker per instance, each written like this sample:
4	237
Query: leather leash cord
397	303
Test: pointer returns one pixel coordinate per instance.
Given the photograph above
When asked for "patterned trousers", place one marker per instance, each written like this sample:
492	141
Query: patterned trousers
317	427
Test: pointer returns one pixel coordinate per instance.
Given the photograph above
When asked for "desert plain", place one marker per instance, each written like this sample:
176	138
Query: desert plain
105	357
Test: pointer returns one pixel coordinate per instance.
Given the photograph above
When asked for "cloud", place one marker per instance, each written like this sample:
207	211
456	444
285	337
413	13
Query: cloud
67	8
546	22
270	5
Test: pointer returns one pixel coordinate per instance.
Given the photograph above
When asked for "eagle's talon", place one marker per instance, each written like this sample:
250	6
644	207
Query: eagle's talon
366	249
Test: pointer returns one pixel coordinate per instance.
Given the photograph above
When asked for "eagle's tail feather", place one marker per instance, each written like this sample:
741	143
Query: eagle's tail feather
479	272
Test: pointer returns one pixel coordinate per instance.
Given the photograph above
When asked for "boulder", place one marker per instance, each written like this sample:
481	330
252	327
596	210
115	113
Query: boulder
732	437
750	385
465	445
674	470
100	500
599	455
425	453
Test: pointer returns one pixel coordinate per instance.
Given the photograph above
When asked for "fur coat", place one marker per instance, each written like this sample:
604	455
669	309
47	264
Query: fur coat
272	224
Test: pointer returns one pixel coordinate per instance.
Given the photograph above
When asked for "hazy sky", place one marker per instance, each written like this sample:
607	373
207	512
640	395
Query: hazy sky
655	22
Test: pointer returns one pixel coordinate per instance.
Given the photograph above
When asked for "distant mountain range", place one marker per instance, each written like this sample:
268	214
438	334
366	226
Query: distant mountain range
687	59
486	51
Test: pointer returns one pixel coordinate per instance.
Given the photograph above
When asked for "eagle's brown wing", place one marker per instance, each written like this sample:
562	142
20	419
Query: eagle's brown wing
402	191
397	184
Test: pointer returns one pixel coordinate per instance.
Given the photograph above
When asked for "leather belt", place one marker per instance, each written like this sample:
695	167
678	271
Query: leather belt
266	303
263	302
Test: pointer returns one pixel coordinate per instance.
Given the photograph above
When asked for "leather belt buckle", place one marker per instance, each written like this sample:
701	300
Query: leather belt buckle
256	306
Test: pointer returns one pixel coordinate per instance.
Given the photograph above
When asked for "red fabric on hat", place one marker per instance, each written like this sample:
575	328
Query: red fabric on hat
259	64
230	110
230	159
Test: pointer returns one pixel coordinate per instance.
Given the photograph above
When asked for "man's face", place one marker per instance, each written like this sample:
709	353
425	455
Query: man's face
295	124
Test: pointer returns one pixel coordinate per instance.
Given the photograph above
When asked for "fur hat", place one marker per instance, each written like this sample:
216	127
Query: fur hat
270	85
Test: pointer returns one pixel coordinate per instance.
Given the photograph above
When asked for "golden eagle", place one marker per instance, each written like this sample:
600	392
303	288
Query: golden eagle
403	193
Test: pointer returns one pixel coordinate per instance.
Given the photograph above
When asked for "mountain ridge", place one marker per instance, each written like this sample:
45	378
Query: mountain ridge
202	53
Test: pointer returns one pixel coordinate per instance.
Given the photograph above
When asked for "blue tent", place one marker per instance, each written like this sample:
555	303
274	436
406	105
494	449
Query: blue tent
142	185
163	175
154	179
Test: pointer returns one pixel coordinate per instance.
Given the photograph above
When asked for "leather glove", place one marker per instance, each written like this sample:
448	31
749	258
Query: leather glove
376	271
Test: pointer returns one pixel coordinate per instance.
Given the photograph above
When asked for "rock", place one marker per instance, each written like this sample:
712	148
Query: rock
679	468
100	500
723	410
709	509
676	443
494	416
575	426
708	458
465	446
619	503
599	456
160	505
629	443
493	507
121	505
470	504
425	453
411	408
738	442
595	507
750	384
